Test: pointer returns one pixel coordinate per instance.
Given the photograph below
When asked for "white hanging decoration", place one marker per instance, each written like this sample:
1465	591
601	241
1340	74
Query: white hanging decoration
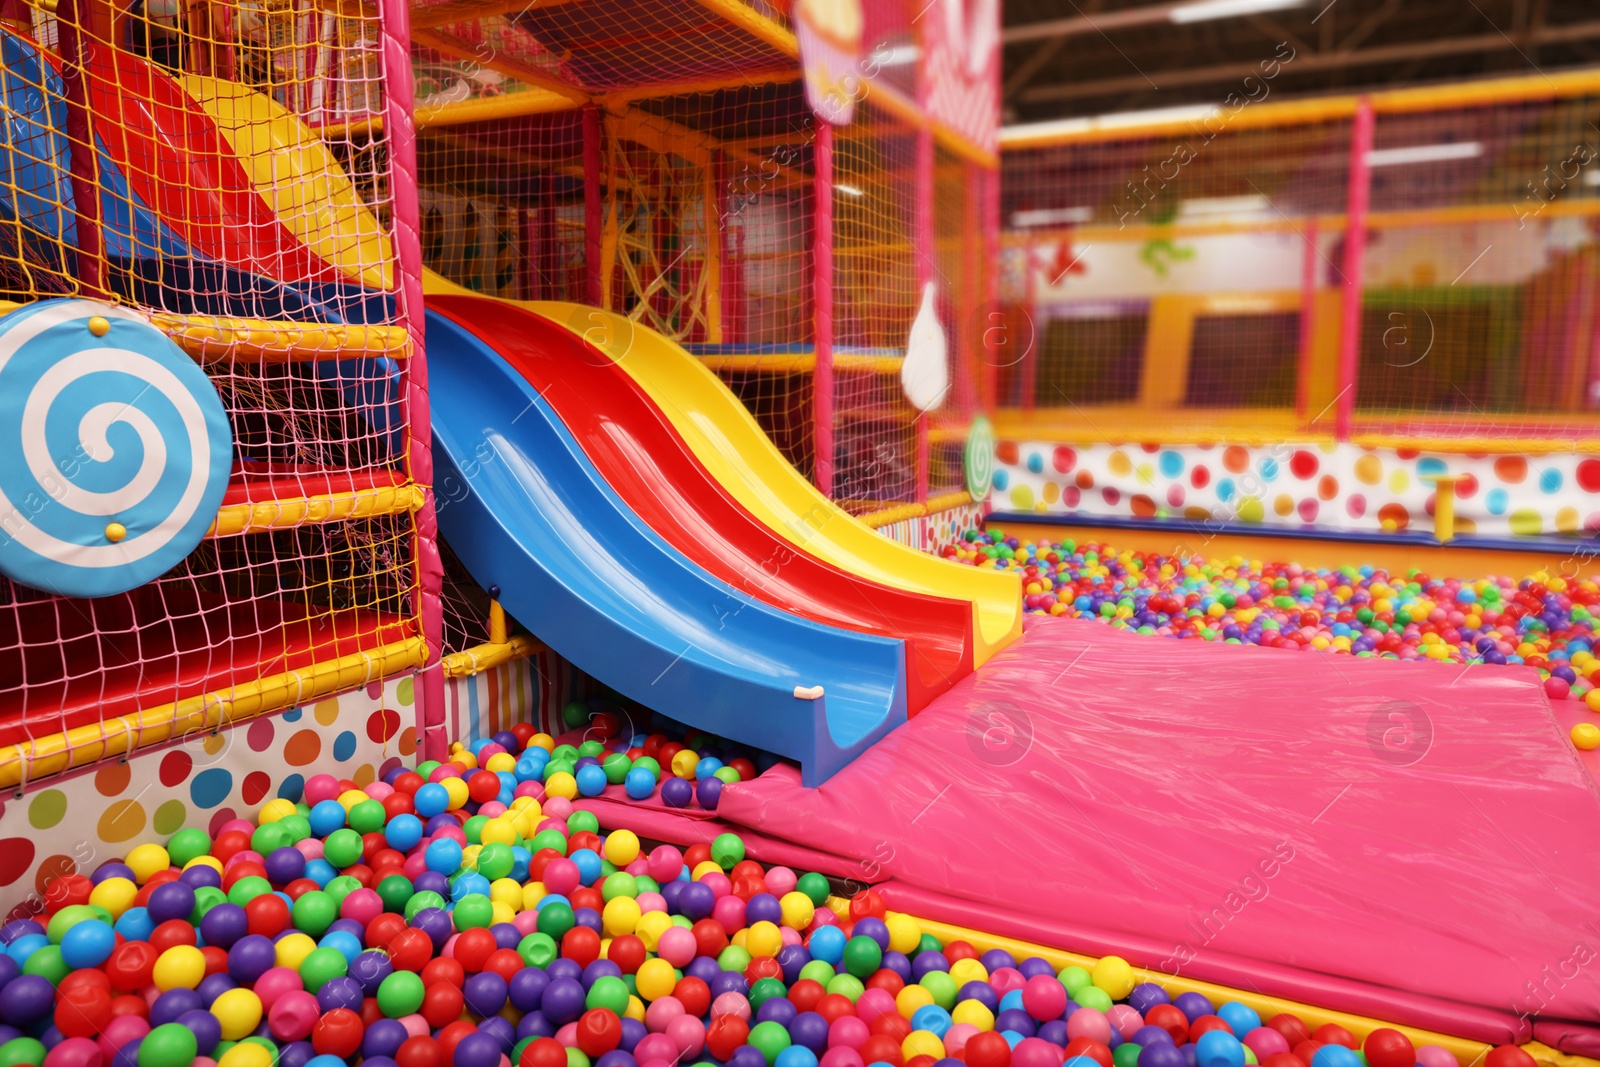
925	373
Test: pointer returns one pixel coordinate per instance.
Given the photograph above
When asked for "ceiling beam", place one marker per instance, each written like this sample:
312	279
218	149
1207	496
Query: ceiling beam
1082	24
1304	64
511	68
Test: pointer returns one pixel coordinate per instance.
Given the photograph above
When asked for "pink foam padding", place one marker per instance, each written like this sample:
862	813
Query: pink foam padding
655	821
1575	1039
1250	815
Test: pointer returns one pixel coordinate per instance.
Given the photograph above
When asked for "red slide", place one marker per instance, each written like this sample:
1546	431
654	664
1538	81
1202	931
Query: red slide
651	468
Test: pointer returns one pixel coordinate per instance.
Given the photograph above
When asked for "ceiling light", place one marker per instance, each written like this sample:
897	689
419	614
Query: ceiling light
1211	207
1424	153
1206	10
848	190
1058	216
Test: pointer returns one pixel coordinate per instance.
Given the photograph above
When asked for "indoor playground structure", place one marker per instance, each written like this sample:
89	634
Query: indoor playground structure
564	534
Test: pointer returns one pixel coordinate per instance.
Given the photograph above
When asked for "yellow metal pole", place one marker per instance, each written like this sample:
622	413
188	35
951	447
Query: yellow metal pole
1444	505
497	623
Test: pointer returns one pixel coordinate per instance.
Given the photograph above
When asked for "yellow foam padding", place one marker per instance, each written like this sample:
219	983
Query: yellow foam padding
1467	1052
299	178
741	457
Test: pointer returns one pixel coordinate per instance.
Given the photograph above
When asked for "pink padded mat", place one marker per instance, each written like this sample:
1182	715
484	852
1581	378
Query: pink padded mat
1375	832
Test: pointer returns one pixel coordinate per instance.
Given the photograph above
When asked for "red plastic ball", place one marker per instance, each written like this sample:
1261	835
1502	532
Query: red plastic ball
628	952
299	888
1306	1051
988	1049
886	1049
410	950
1293	1030
1387	1047
171	934
337	1033
867	903
444	969
1205	1024
418	1051
131	964
216	960
451	1036
1334	1034
1098	1051
599	1031
725	1034
581	945
921	1061
484	786
1282	1059
891	1024
130	1004
370	1012
834	1007
505	962
694	995
1508	1056
762	967
408	783
383	928
804	995
473	948
583	839
267	915
543	1052
398	803
442	1004
1171	1019
709	938
959	950
696	854
83	1011
888	981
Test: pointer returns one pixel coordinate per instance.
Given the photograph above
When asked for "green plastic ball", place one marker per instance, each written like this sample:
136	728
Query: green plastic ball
47	963
321	966
1075	978
538	950
342	848
769	1039
297	826
566	752
818	971
66	919
168	1045
269	838
1126	1054
400	994
549	839
847	986
862	956
206	898
590	748
427	898
576	1058
727	850
473	911
726	775
943	988
620	884
608	992
583	821
766	989
734	958
495	861
650	764
556	919
394	891
247	889
21	1051
340	887
314	912
1093	997
616	767
575	714
188	844
815	886
368	817
473	828
647	884
427	767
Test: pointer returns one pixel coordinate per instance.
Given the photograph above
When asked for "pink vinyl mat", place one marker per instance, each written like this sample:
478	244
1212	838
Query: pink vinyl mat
1410	841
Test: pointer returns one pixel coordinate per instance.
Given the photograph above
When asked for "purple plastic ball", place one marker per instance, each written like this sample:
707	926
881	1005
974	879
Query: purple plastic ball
506	935
677	792
370	969
704	968
587	917
534	1024
1016	1020
729	982
1161	1055
899	964
709	793
1147	995
206	1028
926	962
982	992
112	869
1034	967
526	988
792	958
213	986
563	1001
778	1010
435	922
747	1056
809	1029
478	1050
763	907
617	1058
251	957
26	1000
633	1032
201	877
341	991
564	968
1146	1036
173	1003
431	882
171	900
696	899
997	958
18	928
485	993
671	892
1193	1005
1054	1031
349	926
501	1030
383	1038
296	1054
600	969
224	925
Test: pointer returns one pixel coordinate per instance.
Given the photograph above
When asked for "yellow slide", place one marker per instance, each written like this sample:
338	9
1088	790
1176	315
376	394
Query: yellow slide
738	453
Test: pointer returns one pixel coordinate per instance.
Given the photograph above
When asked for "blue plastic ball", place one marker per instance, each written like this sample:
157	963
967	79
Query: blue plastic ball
431	799
442	856
403	832
88	944
639	784
1241	1018
1217	1048
326	817
591	780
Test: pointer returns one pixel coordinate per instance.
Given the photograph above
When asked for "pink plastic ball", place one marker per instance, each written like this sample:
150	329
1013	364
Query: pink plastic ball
688	1034
639	868
848	1031
415	864
526	922
822	917
244	855
492	809
568	1035
728	912
75	1052
529	789
320	787
1036	1052
676	946
561	875
1557	688
1091	1023
1044	997
449	947
293	1016
1265	1041
841	1056
1435	1056
310	848
875	1002
548	823
1125	1019
119	1031
661	1012
557	807
378	790
658	1061
275	983
664	863
789	935
453	832
651	901
655	1047
363	905
730	1003
1005	979
781	880
956	1038
416	1025
719	883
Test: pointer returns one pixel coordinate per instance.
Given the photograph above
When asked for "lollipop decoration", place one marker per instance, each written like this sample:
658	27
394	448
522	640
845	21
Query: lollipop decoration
124	445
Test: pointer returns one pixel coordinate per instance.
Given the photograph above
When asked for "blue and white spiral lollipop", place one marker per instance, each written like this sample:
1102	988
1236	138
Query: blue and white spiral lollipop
114	449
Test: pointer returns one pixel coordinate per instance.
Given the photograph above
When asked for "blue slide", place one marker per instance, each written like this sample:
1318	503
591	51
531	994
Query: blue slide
527	512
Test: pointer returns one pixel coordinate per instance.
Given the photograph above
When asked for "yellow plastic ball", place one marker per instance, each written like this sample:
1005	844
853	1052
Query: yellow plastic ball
652	924
922	1043
704	868
239	1012
500	761
205	861
655	979
246	1054
146	860
115	895
621	916
1592	699
179	967
500	912
351	797
973	1013
465	760
469	856
456	790
910	998
1586	735
763	939
684	763
1114	976
635	1009
905	933
561	784
544	741
797	910
275	809
499	831
532	893
622	847
293	949
968	970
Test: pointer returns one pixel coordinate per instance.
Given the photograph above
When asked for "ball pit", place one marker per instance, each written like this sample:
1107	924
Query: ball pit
1542	620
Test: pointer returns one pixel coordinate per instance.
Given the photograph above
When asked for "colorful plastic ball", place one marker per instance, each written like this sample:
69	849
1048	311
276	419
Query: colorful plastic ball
1586	735
640	783
179	967
1331	1056
88	944
400	994
1508	1056
1218	1048
168	1045
1387	1047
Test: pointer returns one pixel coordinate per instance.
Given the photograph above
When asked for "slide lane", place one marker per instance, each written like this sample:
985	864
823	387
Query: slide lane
532	518
642	457
740	456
